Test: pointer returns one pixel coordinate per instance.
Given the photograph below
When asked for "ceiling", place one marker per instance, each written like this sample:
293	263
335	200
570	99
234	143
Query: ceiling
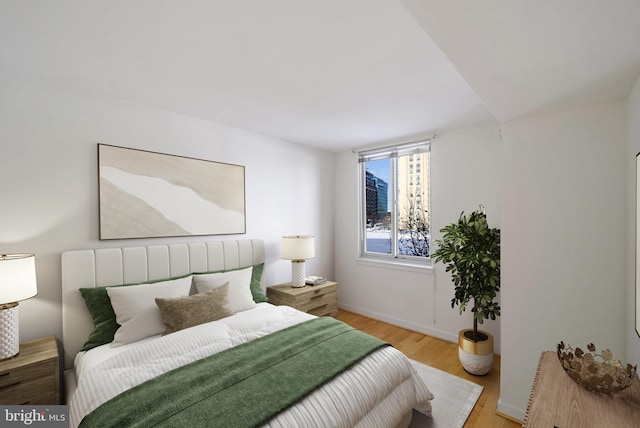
335	74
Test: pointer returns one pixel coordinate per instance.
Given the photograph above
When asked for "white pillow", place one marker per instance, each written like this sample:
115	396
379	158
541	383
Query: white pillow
136	310
240	297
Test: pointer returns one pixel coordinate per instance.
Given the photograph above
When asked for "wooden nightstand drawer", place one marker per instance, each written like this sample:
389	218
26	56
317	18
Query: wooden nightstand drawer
317	301
33	376
329	309
25	373
320	300
41	390
316	291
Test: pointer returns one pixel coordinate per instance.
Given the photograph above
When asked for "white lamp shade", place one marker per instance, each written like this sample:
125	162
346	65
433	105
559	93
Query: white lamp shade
17	277
298	247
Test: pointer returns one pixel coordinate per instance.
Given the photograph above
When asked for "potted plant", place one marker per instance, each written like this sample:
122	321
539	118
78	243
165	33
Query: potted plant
470	249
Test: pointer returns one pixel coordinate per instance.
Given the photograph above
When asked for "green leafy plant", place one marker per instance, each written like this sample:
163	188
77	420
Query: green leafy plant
470	249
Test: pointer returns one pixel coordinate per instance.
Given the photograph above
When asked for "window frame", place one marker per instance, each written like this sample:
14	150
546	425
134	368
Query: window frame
392	153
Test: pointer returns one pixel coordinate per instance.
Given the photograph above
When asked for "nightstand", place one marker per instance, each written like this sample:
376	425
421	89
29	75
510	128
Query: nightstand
33	376
320	300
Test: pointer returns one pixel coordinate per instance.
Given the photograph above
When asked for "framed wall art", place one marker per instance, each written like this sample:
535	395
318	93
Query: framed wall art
637	244
145	194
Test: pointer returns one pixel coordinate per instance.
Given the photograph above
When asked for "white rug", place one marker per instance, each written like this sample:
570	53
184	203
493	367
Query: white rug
453	400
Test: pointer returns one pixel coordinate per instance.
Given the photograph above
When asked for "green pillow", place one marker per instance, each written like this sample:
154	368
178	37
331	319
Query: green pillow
256	288
104	319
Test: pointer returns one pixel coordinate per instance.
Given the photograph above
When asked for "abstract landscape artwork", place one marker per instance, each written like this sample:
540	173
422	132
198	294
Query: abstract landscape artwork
145	194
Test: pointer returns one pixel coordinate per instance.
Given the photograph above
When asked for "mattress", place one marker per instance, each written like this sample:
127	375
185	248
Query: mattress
378	391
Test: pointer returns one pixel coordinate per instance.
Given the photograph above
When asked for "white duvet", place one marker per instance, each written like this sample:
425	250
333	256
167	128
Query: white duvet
376	392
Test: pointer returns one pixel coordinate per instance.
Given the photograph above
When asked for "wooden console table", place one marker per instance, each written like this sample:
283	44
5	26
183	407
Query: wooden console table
557	401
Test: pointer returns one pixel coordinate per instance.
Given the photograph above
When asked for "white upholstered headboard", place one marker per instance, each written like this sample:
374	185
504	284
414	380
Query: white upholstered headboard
130	265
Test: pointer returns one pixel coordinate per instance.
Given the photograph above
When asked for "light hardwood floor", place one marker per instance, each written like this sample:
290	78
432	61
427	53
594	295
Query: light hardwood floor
444	356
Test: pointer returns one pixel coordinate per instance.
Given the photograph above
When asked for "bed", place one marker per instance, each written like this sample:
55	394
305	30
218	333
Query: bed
266	346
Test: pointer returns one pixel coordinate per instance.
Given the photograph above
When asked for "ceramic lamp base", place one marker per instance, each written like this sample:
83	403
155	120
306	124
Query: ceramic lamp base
9	331
297	273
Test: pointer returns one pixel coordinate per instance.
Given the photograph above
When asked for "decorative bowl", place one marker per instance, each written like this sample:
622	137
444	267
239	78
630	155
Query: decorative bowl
598	372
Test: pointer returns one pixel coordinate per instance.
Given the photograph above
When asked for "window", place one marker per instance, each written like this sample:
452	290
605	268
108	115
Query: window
394	221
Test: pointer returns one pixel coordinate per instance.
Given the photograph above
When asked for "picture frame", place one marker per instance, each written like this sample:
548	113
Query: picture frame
145	194
637	273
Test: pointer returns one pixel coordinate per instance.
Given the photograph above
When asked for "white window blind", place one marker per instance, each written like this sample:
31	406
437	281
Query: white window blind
394	151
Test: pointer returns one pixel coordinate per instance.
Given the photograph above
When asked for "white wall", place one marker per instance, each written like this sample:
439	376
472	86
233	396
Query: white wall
633	119
564	240
464	173
49	188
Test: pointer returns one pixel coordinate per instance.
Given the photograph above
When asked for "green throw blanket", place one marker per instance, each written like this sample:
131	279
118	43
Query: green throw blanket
243	386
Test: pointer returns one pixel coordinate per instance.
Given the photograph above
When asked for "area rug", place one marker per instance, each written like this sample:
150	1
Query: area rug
453	400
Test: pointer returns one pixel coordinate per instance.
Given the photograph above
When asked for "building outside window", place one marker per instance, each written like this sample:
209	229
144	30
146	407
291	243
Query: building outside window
394	202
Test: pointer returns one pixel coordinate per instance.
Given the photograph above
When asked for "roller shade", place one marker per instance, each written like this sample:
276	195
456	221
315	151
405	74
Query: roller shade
415	147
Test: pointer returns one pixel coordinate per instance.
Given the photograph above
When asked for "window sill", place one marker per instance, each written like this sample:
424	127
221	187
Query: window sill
403	265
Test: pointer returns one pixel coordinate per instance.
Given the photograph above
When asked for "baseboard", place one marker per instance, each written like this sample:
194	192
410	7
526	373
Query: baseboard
418	328
507	411
509	417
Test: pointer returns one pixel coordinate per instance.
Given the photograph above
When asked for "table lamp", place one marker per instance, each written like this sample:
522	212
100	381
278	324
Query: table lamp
298	248
17	282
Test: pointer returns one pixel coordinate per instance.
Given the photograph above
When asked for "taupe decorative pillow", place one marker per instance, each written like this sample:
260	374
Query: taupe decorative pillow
182	312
